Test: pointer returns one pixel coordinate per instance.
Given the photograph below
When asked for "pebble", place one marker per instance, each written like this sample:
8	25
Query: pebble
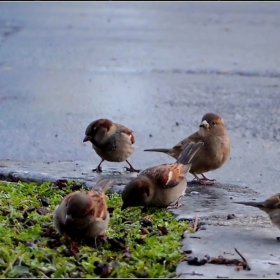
195	193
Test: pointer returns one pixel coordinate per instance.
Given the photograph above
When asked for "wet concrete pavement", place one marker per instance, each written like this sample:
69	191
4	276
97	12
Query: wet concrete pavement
156	68
249	241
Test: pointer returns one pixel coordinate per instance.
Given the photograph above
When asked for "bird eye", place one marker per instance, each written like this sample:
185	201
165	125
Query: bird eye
214	123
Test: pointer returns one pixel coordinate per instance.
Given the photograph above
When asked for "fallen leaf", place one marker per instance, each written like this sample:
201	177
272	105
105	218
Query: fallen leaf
45	201
146	222
163	230
41	210
61	183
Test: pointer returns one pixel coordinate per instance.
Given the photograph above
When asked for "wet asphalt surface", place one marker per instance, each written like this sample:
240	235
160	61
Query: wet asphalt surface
156	68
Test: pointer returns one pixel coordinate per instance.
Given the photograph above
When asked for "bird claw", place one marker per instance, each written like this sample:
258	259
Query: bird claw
175	206
212	180
208	179
100	238
131	169
204	181
97	169
103	237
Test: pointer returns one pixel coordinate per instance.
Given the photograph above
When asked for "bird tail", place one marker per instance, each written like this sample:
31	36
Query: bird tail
103	184
249	203
166	151
188	152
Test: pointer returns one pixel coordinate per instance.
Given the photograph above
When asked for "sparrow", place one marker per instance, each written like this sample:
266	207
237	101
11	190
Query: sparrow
161	185
111	141
271	206
83	214
215	152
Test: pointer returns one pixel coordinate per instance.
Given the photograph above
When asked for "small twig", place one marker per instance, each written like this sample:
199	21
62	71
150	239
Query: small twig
195	222
190	273
44	275
244	260
195	273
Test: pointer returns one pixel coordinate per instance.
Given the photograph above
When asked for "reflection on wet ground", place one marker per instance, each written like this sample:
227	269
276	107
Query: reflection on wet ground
214	200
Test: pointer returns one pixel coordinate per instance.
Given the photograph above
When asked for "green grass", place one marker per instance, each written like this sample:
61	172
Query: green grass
30	246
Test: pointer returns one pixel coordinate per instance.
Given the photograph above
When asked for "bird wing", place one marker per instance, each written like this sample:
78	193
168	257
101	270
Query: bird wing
98	205
165	175
195	137
127	131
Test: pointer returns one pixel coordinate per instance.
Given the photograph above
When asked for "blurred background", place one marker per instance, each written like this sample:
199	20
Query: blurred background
155	67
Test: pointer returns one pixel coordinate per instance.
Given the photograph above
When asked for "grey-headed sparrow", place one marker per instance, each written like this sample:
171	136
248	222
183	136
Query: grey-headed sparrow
111	141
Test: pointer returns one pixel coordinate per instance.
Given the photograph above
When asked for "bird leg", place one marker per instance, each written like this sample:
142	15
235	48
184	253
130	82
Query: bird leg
67	237
144	209
131	168
74	247
102	237
98	168
204	180
177	204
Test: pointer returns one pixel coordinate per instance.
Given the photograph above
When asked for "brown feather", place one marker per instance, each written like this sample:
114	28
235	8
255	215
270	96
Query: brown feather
99	205
104	123
128	132
170	175
165	175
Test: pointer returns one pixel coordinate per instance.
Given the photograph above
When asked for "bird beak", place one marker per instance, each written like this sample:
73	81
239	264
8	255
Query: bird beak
204	124
123	207
68	219
87	138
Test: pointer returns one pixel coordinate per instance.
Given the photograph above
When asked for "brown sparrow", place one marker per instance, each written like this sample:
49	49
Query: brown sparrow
111	141
271	206
212	155
161	185
83	214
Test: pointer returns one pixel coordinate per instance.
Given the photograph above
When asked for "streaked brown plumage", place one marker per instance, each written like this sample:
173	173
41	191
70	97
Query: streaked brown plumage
111	141
161	185
212	155
271	206
83	214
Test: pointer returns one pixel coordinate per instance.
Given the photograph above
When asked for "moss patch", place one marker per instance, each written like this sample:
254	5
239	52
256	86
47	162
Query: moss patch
138	244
